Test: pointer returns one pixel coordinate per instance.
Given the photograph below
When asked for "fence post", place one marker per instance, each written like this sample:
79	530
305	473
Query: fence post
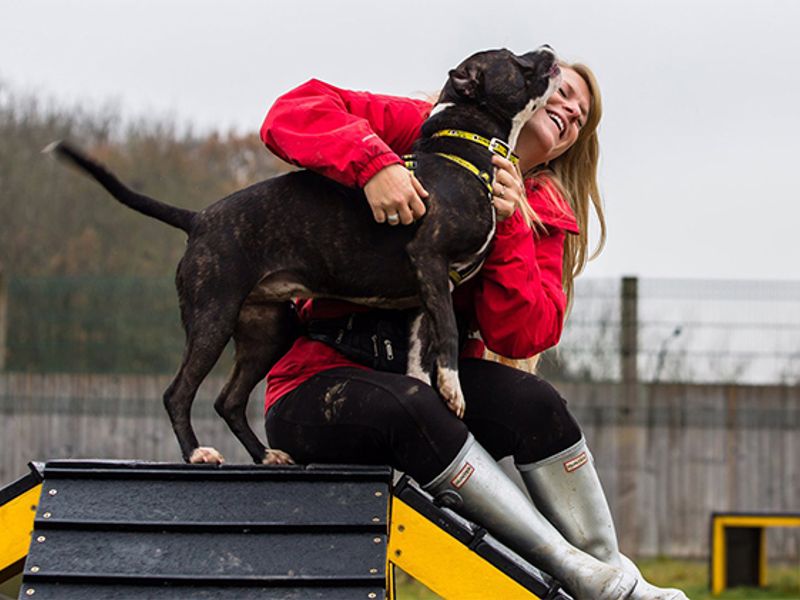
631	442
3	318
629	330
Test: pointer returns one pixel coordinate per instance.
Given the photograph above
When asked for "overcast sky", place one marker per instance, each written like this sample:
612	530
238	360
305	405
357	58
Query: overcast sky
699	137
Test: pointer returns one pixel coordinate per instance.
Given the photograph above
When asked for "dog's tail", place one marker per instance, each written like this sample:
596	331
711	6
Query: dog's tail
171	215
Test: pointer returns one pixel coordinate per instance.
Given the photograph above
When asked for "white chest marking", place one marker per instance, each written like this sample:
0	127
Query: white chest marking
440	107
522	117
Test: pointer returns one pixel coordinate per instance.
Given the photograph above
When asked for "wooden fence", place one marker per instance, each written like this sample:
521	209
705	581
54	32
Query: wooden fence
668	455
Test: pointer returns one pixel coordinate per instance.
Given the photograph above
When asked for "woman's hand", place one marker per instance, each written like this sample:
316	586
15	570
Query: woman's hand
508	188
395	196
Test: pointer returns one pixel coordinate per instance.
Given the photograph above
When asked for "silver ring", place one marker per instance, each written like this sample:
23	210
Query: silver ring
393	218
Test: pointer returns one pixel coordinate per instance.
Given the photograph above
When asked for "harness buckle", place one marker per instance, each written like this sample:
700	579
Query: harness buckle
505	150
498	146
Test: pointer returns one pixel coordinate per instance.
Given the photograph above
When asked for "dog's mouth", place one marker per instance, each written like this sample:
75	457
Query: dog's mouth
554	71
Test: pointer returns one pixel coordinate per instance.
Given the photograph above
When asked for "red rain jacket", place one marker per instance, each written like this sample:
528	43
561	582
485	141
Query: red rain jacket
515	302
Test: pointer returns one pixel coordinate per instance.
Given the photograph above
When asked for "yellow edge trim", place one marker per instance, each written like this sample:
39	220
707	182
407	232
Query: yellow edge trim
16	525
718	558
758	521
390	581
444	564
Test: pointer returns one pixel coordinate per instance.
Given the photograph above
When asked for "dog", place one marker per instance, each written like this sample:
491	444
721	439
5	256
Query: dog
302	235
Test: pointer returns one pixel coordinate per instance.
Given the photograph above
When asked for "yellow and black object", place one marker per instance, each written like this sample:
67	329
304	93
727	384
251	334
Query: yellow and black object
454	557
247	531
738	554
18	502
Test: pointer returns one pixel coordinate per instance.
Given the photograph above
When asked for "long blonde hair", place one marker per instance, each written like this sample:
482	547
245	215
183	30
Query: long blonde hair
574	174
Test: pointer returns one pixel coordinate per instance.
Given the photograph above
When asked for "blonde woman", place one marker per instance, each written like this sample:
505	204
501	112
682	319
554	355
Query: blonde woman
330	400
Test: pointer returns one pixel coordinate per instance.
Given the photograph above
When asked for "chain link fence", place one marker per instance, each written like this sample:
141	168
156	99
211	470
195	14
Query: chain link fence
682	330
690	331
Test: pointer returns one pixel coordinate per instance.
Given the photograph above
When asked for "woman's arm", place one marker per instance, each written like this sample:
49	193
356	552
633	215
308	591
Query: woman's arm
353	138
345	135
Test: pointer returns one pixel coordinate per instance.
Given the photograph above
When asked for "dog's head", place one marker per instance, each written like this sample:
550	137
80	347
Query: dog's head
504	84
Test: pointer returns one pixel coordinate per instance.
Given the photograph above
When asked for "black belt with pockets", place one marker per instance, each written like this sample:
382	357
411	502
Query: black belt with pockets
377	338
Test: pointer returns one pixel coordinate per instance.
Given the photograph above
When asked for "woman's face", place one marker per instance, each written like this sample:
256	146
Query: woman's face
554	128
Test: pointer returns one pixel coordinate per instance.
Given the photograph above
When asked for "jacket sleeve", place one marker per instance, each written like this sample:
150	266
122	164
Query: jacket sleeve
519	300
346	136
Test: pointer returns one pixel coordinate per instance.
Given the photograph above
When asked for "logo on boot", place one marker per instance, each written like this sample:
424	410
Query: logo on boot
573	464
463	475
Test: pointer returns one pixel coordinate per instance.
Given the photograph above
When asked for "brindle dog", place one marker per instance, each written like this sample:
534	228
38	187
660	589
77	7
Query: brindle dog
302	235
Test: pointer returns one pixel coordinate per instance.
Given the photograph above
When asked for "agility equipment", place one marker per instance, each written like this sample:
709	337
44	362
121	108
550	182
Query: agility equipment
106	529
739	547
18	502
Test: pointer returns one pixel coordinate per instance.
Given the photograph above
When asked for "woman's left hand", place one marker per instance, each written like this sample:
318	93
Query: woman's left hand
508	188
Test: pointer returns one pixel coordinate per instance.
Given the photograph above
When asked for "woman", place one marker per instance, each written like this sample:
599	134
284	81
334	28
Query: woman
324	407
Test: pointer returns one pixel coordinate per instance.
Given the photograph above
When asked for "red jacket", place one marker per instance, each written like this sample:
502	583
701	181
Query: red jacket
515	302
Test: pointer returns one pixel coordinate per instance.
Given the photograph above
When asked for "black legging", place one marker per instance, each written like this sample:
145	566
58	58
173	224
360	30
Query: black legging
350	415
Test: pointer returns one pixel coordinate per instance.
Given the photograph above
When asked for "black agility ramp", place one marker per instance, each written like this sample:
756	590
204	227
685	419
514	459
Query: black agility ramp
155	530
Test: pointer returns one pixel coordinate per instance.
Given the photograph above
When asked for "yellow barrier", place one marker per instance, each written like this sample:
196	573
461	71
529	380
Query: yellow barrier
435	558
722	522
16	524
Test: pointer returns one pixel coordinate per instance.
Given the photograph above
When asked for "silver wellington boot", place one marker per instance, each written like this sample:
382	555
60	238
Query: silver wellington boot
566	488
475	486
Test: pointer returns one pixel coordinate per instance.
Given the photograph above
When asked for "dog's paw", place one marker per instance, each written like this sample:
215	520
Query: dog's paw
277	457
206	455
450	389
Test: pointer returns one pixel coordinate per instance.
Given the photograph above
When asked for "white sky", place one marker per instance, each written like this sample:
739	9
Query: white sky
701	97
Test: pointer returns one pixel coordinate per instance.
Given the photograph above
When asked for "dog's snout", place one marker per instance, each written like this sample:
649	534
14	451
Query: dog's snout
540	61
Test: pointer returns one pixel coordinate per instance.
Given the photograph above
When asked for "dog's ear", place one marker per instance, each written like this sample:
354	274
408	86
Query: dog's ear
467	80
535	62
526	61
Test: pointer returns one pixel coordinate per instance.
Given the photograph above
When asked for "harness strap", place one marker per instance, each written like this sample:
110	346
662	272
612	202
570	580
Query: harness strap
484	177
410	161
458	276
494	145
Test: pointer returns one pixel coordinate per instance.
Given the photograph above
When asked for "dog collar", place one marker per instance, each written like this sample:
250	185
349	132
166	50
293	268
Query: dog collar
494	145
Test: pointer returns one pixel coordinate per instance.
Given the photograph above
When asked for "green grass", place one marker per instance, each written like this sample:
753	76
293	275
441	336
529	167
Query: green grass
783	582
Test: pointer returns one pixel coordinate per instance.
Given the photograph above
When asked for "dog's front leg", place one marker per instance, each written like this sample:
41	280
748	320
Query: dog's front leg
421	358
437	306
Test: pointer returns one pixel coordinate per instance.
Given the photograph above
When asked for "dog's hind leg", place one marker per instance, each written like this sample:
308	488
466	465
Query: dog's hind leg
206	336
264	333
